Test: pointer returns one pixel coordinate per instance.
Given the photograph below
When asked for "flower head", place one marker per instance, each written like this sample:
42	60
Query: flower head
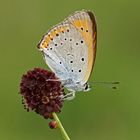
41	91
53	124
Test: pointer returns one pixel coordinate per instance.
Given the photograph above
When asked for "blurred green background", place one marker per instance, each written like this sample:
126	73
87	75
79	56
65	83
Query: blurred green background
101	114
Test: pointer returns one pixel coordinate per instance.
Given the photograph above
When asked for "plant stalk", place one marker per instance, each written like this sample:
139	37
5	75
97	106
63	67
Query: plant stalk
60	126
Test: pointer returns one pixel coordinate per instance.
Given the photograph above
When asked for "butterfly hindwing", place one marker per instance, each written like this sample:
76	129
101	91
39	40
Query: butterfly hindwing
69	47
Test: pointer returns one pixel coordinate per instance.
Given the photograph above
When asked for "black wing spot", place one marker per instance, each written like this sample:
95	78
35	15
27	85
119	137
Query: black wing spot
71	70
57	34
68	30
79	70
70	39
82	59
71	61
82	28
76	43
60	62
86	30
62	31
55	44
61	43
65	39
81	41
50	48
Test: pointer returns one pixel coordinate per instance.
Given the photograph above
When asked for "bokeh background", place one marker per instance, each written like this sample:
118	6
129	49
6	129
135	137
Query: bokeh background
101	114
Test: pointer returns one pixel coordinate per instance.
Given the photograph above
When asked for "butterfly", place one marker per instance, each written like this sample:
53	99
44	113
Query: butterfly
69	49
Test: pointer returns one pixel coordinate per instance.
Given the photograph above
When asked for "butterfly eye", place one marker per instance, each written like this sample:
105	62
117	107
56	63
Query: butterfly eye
86	86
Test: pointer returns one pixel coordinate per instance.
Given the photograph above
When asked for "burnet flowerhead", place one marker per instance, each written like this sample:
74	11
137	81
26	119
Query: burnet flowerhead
40	94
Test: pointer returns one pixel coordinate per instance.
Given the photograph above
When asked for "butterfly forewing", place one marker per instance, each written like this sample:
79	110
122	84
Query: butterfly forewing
85	23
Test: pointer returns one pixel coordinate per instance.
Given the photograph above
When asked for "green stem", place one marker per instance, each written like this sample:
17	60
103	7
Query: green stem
63	132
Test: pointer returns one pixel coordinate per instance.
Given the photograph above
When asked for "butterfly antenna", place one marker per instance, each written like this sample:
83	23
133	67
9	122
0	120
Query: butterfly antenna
113	85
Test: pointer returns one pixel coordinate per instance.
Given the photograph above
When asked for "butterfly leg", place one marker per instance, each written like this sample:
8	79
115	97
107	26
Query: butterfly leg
57	80
53	80
69	96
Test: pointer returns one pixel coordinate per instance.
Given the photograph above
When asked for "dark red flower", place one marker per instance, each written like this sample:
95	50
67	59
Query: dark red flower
53	124
40	95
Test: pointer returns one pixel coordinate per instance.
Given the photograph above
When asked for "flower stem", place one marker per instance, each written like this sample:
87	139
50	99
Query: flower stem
60	126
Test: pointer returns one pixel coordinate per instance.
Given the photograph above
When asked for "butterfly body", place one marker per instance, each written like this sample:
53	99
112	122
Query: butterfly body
69	49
